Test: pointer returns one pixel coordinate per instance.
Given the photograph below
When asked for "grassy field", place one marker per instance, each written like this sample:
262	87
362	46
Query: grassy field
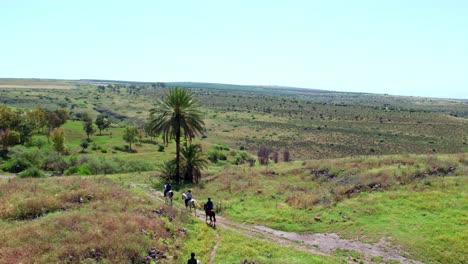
364	166
310	123
92	220
422	211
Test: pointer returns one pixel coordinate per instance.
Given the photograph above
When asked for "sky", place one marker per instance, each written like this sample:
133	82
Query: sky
416	48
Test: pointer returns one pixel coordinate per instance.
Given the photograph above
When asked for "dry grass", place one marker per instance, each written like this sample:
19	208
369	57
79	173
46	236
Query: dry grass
35	84
74	220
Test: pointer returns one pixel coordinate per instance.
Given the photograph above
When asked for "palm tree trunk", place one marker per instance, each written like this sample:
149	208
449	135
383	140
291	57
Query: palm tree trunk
177	139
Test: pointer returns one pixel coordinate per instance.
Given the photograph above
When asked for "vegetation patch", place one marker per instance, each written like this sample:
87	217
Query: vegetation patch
82	220
418	201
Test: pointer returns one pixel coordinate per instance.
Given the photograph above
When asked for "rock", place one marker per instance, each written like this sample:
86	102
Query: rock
95	253
160	211
155	253
317	218
183	231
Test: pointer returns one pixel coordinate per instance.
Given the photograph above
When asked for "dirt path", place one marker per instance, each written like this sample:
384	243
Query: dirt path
316	243
215	247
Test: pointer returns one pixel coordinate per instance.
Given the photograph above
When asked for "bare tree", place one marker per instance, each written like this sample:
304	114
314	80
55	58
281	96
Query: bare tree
286	155
263	155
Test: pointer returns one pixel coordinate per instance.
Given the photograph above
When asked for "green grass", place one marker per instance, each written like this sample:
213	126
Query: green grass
427	216
234	248
350	124
418	202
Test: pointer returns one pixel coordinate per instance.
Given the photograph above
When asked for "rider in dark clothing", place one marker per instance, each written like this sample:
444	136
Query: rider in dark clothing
192	260
167	188
209	205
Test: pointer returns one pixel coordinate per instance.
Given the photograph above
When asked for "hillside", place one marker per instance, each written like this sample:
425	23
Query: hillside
347	178
310	123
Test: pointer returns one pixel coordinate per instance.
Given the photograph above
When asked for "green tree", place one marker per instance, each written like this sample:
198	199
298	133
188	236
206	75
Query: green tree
193	161
167	169
177	115
26	130
62	115
6	117
52	121
84	144
130	135
58	139
102	123
8	138
150	133
38	117
88	127
39	142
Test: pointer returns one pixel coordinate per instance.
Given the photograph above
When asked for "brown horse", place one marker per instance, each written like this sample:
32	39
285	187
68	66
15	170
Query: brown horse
212	214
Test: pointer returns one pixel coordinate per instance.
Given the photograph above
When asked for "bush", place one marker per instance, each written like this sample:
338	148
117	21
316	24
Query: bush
16	165
32	172
214	155
55	162
80	170
241	158
23	158
161	148
119	148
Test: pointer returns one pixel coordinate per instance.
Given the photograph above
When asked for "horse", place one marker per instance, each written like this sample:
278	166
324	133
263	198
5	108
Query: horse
191	204
169	195
212	214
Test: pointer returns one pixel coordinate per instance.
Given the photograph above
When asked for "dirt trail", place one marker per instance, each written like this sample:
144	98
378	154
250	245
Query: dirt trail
215	247
316	243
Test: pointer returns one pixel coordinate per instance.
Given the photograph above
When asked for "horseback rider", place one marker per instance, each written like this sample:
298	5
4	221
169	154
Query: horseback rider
189	197
208	205
167	188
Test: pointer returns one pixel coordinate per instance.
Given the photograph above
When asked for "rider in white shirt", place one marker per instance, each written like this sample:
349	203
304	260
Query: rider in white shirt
189	197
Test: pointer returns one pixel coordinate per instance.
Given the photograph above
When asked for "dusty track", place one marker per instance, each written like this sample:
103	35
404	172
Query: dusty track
316	243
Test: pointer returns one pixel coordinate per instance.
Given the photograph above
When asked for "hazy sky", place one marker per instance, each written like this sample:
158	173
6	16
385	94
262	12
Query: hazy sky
406	47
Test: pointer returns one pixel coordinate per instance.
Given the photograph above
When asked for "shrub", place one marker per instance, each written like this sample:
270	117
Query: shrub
241	158
32	172
16	165
56	162
80	170
161	148
213	155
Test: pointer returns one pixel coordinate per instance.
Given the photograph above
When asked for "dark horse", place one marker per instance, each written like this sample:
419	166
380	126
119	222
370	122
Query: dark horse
211	213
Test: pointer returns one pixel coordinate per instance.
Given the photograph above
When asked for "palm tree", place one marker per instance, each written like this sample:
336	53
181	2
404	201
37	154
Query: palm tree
193	160
178	114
